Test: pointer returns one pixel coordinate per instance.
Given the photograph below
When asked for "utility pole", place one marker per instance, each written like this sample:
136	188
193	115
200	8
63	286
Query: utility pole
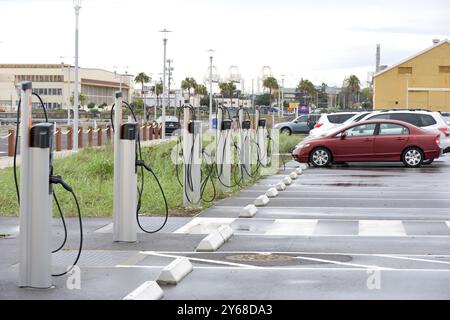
170	69
77	7
211	51
163	115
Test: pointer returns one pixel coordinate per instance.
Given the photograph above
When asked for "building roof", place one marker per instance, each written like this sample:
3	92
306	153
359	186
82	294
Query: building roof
413	57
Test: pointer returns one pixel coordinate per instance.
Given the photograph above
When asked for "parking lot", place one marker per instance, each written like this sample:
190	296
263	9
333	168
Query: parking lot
358	231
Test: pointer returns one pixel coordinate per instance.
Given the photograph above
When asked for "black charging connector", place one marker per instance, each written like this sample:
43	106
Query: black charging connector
262	123
59	180
246	124
226	125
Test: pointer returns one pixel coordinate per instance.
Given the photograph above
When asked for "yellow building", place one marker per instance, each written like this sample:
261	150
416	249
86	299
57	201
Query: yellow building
421	81
55	83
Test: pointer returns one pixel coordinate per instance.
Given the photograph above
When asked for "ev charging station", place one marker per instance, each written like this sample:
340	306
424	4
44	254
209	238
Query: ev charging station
35	253
245	153
261	135
223	150
192	156
125	177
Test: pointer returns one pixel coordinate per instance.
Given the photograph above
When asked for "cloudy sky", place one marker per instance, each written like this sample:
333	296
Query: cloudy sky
323	40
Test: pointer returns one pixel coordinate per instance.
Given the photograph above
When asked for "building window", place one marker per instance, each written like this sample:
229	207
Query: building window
444	69
405	70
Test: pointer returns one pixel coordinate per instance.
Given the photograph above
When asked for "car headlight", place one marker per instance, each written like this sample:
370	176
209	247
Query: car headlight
303	145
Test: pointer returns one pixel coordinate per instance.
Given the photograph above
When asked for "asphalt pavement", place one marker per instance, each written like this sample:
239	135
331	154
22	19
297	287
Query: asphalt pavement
358	231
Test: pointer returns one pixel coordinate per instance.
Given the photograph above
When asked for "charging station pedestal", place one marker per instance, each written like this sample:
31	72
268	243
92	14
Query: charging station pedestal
125	177
223	151
261	139
245	155
35	257
192	154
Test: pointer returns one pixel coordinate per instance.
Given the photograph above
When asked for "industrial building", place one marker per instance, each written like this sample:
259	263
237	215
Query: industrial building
55	84
421	81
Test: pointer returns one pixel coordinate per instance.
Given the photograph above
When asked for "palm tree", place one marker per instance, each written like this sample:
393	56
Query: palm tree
142	78
227	88
272	84
306	88
352	86
188	84
157	90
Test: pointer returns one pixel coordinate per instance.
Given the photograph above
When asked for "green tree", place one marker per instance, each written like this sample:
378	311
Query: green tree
352	86
189	84
306	89
157	90
272	84
91	105
227	89
81	99
201	90
142	78
322	96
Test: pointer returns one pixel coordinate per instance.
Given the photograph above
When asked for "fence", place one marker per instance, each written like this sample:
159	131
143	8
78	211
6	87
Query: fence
150	131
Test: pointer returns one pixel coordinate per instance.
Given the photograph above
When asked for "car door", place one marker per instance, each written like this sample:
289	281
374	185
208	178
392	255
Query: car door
356	144
390	141
300	125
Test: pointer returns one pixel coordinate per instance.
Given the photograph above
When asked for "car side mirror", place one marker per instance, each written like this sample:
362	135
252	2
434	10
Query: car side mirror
343	135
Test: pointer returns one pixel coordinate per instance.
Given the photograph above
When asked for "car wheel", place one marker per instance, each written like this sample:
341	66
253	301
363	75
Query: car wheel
429	161
412	157
320	157
286	131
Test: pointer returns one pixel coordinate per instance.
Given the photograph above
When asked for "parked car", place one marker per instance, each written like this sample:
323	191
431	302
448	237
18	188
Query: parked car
371	141
172	124
427	120
330	121
446	116
321	130
302	124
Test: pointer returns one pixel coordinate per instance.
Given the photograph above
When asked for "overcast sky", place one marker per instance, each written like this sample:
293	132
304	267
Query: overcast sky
322	40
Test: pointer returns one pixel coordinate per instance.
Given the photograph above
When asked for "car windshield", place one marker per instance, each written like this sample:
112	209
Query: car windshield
339	117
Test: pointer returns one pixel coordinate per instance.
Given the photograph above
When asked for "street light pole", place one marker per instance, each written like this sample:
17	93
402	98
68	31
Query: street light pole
77	7
163	115
211	51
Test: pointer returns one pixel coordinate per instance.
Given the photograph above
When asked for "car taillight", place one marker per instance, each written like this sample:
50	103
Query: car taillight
445	131
318	125
437	140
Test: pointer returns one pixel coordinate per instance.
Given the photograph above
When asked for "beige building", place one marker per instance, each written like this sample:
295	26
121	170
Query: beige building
55	84
421	81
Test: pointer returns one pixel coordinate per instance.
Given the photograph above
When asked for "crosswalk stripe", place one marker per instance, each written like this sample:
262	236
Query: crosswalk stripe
303	227
381	228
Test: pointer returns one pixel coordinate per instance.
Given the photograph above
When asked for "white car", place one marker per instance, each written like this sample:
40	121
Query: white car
427	120
330	121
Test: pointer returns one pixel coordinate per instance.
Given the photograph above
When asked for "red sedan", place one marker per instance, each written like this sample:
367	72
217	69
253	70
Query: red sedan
376	141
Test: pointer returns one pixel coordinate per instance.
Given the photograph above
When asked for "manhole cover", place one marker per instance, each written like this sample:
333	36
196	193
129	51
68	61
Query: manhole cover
273	259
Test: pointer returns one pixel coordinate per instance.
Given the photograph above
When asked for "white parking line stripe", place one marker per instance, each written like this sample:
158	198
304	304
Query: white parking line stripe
151	253
381	228
298	227
305	252
202	225
412	259
448	224
342	263
288	268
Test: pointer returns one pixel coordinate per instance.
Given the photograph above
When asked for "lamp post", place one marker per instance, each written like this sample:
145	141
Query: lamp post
165	34
282	95
68	91
211	51
77	7
169	69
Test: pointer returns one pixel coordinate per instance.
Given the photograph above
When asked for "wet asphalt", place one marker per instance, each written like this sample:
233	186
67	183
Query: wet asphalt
358	231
